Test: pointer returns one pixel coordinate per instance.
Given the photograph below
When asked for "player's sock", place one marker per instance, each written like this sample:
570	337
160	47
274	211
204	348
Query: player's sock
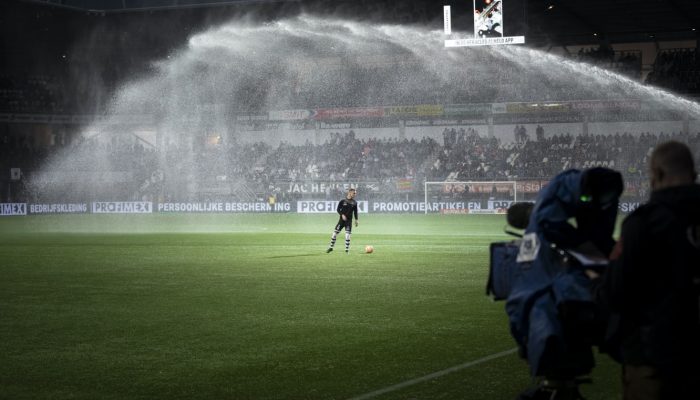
330	248
347	242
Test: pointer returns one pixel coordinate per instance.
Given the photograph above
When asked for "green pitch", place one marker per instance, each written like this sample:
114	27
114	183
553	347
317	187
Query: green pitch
251	307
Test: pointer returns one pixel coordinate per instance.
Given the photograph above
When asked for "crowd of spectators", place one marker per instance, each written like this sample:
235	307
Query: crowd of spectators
33	94
344	157
376	82
372	81
463	155
488	159
522	78
251	169
625	62
94	168
678	70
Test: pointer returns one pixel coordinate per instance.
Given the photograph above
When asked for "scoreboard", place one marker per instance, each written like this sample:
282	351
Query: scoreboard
484	23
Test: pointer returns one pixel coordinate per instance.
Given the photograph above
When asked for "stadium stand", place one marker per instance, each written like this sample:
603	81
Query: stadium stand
258	166
625	62
31	94
59	84
678	70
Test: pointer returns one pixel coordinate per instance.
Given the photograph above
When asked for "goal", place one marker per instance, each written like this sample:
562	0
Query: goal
470	197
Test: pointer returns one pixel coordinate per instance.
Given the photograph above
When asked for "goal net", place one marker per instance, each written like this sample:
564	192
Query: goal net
472	197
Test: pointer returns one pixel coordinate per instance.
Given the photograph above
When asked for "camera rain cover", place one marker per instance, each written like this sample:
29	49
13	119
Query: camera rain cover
503	270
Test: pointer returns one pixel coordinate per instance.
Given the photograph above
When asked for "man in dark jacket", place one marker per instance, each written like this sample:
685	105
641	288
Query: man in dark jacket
652	284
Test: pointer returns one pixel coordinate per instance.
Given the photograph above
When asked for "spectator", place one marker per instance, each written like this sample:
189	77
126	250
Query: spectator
653	283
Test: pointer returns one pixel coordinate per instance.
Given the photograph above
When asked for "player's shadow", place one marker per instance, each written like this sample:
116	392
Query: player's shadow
297	255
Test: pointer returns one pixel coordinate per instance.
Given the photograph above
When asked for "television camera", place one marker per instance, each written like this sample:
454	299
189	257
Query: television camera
540	275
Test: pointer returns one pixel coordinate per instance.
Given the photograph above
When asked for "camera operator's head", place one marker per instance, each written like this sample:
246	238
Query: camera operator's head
672	165
600	188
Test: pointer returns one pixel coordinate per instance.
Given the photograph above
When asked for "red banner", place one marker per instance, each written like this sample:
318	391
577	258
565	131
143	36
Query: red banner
530	186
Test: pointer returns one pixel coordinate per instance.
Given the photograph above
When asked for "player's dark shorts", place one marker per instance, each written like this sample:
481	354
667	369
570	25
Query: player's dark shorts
344	224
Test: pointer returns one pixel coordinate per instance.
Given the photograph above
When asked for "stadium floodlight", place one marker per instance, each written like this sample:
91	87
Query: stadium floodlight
488	24
470	197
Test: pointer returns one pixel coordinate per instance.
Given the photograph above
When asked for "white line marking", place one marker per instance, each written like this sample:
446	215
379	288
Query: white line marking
433	375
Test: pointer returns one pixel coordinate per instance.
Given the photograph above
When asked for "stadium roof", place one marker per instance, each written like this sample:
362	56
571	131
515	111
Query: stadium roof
145	5
555	22
567	21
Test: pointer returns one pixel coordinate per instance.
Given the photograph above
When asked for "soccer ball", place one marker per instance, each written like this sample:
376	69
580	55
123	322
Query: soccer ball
369	249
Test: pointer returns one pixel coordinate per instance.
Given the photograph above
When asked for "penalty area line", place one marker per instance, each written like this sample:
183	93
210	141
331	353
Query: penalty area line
434	375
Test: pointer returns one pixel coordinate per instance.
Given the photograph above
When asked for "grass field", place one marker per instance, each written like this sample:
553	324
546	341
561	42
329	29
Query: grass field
251	307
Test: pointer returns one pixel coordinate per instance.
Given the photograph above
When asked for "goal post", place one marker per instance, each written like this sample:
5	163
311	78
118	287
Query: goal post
469	197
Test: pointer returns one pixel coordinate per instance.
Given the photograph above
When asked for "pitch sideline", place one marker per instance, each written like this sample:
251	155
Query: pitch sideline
434	375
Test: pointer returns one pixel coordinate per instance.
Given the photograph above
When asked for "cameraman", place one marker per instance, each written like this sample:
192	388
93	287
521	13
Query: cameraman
550	306
651	285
